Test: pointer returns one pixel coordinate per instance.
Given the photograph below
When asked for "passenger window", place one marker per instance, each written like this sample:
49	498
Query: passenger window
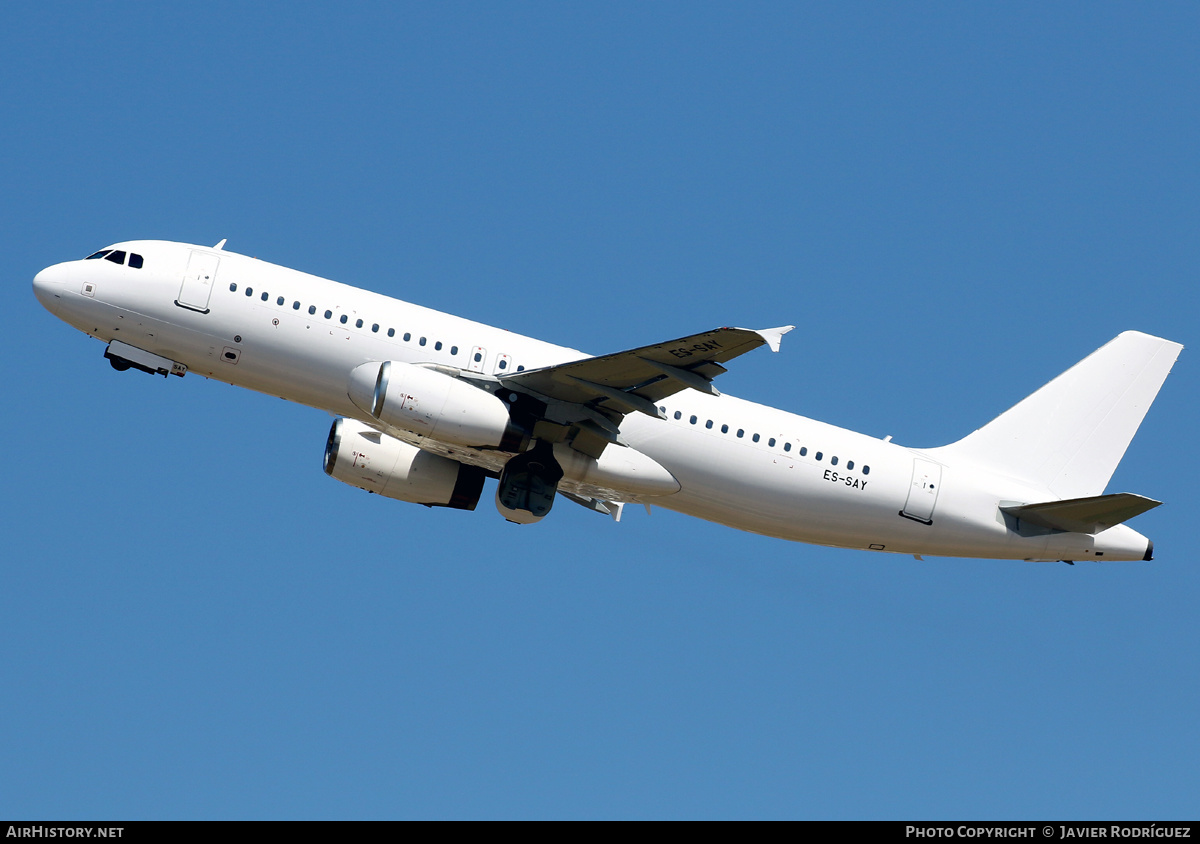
407	336
771	442
233	288
850	466
693	420
787	446
329	315
422	343
866	470
358	324
344	318
803	450
708	424
249	292
503	363
279	301
833	461
117	256
724	429
391	332
819	455
265	295
135	260
741	433
755	438
454	350
312	309
478	356
296	306
96	255
375	328
437	347
520	369
678	414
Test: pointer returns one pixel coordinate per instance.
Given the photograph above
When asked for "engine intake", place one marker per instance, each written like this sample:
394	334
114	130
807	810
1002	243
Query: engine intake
358	455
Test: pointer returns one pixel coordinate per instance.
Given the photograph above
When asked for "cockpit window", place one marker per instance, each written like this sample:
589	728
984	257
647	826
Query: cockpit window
117	256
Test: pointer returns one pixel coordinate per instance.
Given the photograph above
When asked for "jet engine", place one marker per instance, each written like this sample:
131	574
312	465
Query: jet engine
434	405
358	455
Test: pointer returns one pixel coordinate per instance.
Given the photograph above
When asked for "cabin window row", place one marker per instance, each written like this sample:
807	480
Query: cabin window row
344	319
819	456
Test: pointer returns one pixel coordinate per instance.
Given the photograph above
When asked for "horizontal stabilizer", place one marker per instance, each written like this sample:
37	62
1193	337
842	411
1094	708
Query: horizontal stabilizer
1084	515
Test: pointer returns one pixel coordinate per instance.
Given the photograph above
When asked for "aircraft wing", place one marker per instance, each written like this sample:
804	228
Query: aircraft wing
636	379
589	397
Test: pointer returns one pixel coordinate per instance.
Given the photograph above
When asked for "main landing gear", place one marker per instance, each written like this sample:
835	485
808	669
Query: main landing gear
528	485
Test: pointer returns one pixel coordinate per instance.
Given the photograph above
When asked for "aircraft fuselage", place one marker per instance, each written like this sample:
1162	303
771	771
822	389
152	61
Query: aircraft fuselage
757	468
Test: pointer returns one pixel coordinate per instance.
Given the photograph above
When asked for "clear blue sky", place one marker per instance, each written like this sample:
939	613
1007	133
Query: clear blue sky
953	202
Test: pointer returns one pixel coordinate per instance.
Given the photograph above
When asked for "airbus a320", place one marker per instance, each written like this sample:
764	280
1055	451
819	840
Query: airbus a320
430	406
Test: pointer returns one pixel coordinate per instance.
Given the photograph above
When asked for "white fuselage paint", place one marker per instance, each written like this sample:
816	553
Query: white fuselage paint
307	358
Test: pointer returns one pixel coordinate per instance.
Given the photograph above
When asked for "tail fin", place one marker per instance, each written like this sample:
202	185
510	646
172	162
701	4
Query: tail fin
1070	435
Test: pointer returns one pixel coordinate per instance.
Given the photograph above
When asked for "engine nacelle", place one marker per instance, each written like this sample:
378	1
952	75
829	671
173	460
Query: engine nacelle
434	405
358	455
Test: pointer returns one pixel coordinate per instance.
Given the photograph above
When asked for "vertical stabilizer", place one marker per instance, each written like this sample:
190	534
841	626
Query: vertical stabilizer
1070	435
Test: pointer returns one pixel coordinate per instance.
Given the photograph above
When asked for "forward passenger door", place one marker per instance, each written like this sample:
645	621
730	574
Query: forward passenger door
198	281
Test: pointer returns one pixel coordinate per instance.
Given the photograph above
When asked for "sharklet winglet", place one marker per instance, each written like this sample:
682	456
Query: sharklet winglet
773	336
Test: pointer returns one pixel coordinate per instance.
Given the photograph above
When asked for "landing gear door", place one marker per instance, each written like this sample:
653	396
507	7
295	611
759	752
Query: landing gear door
923	493
198	281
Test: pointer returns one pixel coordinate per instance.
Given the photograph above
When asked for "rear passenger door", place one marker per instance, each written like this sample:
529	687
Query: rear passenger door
923	491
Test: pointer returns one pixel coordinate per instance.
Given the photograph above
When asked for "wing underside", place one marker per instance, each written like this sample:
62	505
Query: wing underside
588	398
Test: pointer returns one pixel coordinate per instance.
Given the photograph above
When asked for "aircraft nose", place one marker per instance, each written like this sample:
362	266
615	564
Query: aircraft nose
47	286
47	283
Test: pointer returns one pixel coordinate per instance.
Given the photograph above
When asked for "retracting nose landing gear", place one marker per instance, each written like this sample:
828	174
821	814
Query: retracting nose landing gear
122	356
528	485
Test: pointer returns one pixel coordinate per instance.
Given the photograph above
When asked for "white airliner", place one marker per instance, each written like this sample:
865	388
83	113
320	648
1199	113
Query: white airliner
430	405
